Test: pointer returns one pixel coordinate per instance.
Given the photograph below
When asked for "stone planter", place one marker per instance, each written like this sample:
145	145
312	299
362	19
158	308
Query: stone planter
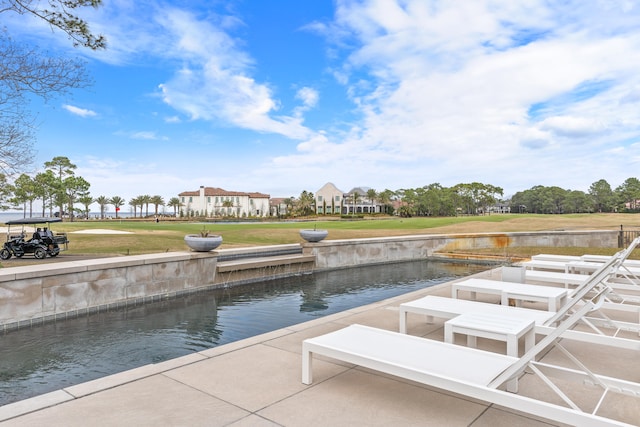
313	235
198	243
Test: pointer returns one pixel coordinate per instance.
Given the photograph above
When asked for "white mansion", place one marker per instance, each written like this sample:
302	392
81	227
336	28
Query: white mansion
329	199
218	202
212	201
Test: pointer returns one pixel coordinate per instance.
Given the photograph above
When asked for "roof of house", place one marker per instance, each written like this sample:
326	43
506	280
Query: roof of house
215	191
360	190
329	186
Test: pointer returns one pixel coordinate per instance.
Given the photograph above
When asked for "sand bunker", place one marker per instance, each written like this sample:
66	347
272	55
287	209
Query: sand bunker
93	231
101	231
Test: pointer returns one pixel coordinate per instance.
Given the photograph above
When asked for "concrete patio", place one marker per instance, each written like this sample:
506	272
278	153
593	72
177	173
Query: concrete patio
257	382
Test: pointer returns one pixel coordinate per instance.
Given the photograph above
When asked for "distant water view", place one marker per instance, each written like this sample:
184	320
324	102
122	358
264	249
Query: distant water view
11	215
37	360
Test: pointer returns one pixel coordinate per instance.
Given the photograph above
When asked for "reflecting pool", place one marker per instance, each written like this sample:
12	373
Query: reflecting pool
57	355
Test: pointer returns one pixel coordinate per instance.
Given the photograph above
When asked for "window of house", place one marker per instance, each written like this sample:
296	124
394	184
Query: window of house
319	198
190	199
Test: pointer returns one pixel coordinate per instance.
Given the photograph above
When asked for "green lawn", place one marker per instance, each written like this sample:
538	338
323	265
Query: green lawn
150	237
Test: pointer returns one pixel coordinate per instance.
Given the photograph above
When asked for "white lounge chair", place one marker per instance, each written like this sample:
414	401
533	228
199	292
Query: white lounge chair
433	306
585	257
574	266
573	272
626	275
470	372
603	258
448	308
554	297
557	258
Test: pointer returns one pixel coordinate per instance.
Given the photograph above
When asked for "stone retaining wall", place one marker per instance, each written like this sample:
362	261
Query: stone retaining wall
332	254
37	293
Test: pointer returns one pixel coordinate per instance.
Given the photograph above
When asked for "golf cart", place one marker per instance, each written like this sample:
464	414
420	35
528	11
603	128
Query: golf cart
40	242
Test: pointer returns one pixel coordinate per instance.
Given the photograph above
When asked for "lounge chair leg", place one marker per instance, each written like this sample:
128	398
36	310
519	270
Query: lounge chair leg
307	365
512	350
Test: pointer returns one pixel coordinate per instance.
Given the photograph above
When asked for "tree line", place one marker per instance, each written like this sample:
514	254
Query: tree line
58	187
600	197
478	198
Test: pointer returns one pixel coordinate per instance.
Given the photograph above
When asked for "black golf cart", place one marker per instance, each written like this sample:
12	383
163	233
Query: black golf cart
40	241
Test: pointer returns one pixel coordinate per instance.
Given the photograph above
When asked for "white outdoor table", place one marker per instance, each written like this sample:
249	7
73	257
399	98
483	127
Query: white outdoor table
502	328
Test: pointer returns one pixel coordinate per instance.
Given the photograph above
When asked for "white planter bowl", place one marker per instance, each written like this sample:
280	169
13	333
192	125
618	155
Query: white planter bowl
198	243
313	235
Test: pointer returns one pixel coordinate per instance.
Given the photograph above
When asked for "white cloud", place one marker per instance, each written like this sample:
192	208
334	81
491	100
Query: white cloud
308	96
82	112
512	93
451	86
216	85
148	135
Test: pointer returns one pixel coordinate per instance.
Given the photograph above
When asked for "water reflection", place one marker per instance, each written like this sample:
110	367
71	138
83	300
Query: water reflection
56	355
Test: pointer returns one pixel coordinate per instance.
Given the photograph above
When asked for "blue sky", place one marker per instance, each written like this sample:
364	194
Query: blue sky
282	96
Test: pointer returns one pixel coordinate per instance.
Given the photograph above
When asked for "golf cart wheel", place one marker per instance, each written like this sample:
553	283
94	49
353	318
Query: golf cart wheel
40	253
5	254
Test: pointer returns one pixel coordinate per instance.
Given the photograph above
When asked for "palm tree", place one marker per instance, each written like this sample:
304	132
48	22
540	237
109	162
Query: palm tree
372	196
134	203
289	202
157	201
306	202
103	202
145	200
174	203
228	204
384	197
86	201
117	202
355	197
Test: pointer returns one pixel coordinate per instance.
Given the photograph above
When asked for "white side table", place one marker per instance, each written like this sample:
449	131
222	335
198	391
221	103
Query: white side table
503	328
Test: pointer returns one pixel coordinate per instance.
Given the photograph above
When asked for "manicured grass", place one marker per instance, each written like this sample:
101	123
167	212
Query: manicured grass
168	235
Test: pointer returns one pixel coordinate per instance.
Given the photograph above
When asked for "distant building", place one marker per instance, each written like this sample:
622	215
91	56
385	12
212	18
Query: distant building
278	206
357	201
210	201
329	200
500	208
634	204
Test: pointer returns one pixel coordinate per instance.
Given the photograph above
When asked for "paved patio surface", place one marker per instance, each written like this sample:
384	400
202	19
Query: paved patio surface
257	382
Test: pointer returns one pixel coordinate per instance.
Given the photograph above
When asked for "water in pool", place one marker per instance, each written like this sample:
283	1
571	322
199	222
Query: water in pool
57	355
